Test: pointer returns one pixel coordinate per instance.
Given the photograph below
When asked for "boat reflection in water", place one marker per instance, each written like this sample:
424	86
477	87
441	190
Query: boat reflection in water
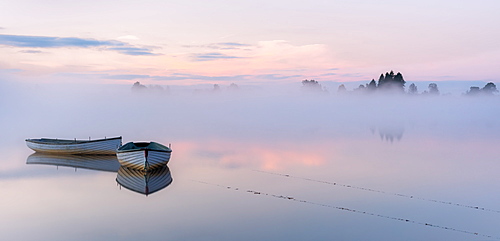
107	163
138	181
389	132
144	182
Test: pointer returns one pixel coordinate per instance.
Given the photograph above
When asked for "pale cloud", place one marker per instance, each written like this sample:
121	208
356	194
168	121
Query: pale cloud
262	58
358	75
269	53
221	46
307	38
212	56
280	54
10	71
53	42
233	44
23	41
274	61
31	51
208	78
127	76
133	50
329	74
128	37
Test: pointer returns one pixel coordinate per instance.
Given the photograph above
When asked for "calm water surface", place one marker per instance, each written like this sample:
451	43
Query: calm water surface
259	168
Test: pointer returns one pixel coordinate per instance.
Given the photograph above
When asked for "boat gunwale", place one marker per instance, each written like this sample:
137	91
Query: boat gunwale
52	141
147	147
142	149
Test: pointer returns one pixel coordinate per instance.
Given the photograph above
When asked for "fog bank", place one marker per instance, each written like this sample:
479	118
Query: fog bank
50	111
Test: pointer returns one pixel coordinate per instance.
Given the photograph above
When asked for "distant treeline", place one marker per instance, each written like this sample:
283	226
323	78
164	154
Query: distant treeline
140	88
390	83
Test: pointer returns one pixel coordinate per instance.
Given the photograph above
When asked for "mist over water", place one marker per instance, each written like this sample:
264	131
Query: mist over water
257	112
439	148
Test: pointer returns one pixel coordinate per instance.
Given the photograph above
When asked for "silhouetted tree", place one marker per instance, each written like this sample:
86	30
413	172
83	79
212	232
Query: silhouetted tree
381	78
341	89
412	89
473	91
311	85
391	82
433	89
233	87
372	86
216	87
360	89
489	88
398	78
138	86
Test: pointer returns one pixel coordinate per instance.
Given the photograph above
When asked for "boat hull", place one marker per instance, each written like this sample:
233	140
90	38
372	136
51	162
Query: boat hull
143	159
93	147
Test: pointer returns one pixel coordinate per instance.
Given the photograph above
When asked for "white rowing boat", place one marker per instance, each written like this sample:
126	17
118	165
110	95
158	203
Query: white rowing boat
106	146
143	155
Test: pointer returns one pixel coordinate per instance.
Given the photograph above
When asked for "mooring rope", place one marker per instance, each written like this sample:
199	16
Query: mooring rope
379	191
290	198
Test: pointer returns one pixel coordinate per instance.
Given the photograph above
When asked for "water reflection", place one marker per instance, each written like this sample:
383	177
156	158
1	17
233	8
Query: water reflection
389	133
474	207
144	182
107	163
341	208
135	180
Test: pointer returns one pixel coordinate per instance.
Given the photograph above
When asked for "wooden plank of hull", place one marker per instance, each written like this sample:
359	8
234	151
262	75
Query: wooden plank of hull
137	159
157	158
108	163
97	147
144	182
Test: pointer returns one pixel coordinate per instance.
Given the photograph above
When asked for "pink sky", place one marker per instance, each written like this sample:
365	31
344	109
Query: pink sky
247	42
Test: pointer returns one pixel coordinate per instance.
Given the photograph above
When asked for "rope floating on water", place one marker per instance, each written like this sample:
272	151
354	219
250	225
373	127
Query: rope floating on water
383	192
290	198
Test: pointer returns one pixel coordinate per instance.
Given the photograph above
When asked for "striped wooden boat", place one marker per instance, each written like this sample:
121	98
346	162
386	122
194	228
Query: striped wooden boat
105	146
144	182
107	163
143	155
